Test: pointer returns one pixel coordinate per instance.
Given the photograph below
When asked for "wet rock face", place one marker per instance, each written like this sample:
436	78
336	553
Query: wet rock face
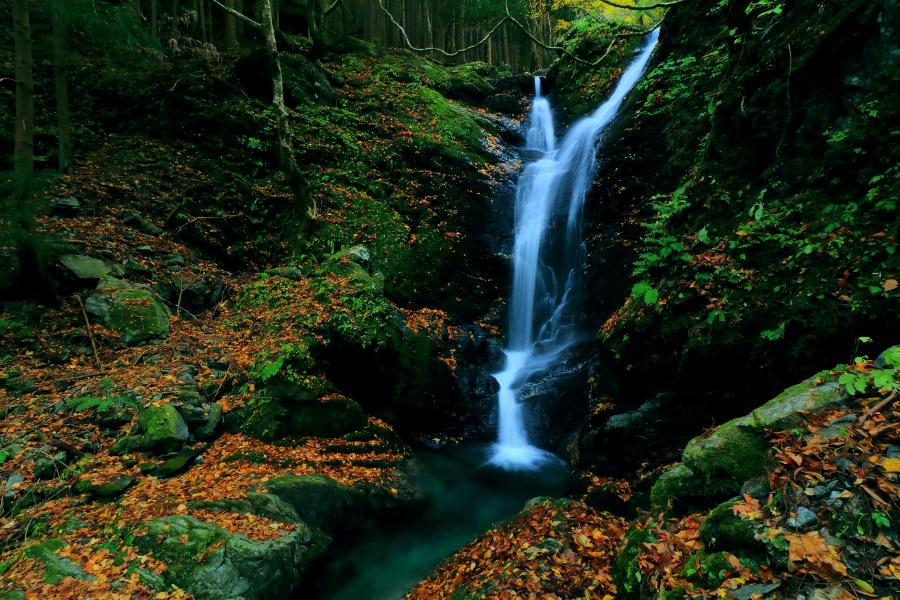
557	402
479	354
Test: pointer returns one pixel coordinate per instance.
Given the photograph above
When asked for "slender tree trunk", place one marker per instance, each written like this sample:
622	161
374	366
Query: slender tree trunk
202	13
230	28
154	18
24	148
61	83
285	145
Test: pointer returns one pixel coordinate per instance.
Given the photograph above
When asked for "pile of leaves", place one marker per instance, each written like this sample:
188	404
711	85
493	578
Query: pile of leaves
553	549
825	517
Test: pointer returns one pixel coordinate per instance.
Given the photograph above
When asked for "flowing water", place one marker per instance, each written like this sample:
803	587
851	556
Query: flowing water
547	255
463	495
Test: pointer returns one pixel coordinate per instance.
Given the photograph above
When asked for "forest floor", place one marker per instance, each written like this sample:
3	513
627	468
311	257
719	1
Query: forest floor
205	227
820	522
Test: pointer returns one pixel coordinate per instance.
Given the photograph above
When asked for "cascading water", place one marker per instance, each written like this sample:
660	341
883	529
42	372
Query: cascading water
552	188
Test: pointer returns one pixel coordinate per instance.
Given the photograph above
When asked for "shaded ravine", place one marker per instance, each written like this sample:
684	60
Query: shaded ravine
464	490
461	498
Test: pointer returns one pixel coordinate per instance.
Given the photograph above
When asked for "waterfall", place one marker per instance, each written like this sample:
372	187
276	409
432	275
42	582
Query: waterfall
548	253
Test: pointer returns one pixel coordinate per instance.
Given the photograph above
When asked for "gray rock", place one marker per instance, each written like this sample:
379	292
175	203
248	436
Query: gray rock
747	592
718	463
137	221
804	518
86	267
758	488
65	206
213	419
837	428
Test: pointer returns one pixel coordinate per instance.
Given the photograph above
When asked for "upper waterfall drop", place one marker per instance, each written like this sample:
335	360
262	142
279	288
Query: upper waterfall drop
547	255
540	136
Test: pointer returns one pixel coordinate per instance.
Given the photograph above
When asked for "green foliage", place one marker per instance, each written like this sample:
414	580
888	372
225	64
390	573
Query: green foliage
108	401
644	292
767	256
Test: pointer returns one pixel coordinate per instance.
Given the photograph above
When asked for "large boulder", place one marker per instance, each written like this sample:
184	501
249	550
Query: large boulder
135	313
319	500
714	466
210	562
329	417
164	428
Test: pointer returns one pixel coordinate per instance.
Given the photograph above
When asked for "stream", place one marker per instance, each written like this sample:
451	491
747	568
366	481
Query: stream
463	497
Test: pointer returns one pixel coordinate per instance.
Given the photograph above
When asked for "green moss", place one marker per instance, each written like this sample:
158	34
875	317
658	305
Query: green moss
674	486
707	569
133	312
625	571
723	530
56	567
164	428
730	455
319	500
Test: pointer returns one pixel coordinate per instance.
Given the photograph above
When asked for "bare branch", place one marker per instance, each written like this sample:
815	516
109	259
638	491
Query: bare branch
238	14
518	24
331	7
644	6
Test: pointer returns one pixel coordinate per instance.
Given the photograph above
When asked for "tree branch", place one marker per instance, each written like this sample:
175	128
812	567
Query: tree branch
238	14
511	19
331	7
644	6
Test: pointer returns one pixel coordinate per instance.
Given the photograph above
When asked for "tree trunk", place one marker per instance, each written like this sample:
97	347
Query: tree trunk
202	13
24	148
230	28
61	83
154	18
285	145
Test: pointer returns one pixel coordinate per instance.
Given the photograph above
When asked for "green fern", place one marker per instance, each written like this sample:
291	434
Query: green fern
100	405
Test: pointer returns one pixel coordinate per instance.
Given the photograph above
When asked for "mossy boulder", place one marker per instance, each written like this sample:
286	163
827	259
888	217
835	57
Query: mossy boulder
126	444
164	428
264	505
330	417
56	567
132	311
724	530
175	464
715	465
110	489
319	500
238	567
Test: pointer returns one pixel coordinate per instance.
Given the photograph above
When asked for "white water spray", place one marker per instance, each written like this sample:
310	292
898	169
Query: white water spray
549	197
